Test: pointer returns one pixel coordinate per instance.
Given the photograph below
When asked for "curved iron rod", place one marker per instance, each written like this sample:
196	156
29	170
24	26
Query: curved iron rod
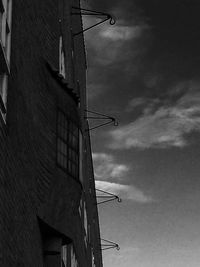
98	126
109	245
89	12
100	116
108	193
96	24
109	197
98	113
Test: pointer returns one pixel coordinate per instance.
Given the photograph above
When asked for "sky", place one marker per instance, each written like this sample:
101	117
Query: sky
144	71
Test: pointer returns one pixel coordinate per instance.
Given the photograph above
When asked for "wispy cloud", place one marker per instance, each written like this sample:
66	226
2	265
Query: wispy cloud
109	43
165	126
142	103
138	101
105	167
122	32
113	51
106	171
124	191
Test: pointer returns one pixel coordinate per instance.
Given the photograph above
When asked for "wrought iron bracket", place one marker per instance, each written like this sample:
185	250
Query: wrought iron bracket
100	116
107	244
106	197
88	12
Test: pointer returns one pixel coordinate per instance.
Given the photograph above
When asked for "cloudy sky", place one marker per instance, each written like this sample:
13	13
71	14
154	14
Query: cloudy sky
144	71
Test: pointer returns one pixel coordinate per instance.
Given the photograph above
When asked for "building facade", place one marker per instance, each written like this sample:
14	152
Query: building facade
48	211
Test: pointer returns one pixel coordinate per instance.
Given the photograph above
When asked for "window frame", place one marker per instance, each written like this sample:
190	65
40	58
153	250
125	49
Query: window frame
69	257
5	50
62	67
68	161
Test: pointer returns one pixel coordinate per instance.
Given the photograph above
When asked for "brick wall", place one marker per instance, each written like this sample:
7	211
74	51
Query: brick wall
31	184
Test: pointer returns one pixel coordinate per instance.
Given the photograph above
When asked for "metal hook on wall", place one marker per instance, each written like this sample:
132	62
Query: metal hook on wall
100	116
87	12
107	197
107	244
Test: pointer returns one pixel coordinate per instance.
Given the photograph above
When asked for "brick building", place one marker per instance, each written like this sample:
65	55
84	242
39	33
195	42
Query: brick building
48	212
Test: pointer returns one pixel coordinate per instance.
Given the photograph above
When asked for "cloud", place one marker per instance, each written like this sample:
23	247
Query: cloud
105	167
136	102
111	44
114	52
124	191
165	126
122	33
142	102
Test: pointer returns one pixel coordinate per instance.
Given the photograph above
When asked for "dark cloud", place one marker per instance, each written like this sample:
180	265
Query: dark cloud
126	10
165	54
153	85
174	51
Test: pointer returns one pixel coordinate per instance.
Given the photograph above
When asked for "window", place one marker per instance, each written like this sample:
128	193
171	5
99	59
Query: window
93	260
68	145
74	262
64	256
85	223
68	256
83	215
80	208
61	58
5	43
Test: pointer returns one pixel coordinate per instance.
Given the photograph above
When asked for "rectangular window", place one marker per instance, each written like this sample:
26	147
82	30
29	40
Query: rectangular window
5	48
68	256
68	145
93	261
85	219
85	223
74	262
61	58
64	256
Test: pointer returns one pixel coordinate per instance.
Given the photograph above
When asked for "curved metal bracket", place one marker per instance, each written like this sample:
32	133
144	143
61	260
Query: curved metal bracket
100	116
108	244
88	12
107	197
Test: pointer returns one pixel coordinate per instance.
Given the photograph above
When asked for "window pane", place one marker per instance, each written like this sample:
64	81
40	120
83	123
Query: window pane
64	256
77	171
1	15
75	142
74	157
74	170
65	163
61	118
70	153
69	166
59	158
70	126
62	147
61	57
68	145
62	133
75	130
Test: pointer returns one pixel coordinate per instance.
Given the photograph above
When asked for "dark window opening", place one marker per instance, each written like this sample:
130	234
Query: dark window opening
68	145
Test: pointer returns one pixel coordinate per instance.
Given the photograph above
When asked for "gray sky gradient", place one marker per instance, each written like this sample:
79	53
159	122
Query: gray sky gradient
144	70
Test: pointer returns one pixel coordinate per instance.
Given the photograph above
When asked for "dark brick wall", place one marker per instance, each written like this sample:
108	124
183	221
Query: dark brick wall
24	150
31	184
